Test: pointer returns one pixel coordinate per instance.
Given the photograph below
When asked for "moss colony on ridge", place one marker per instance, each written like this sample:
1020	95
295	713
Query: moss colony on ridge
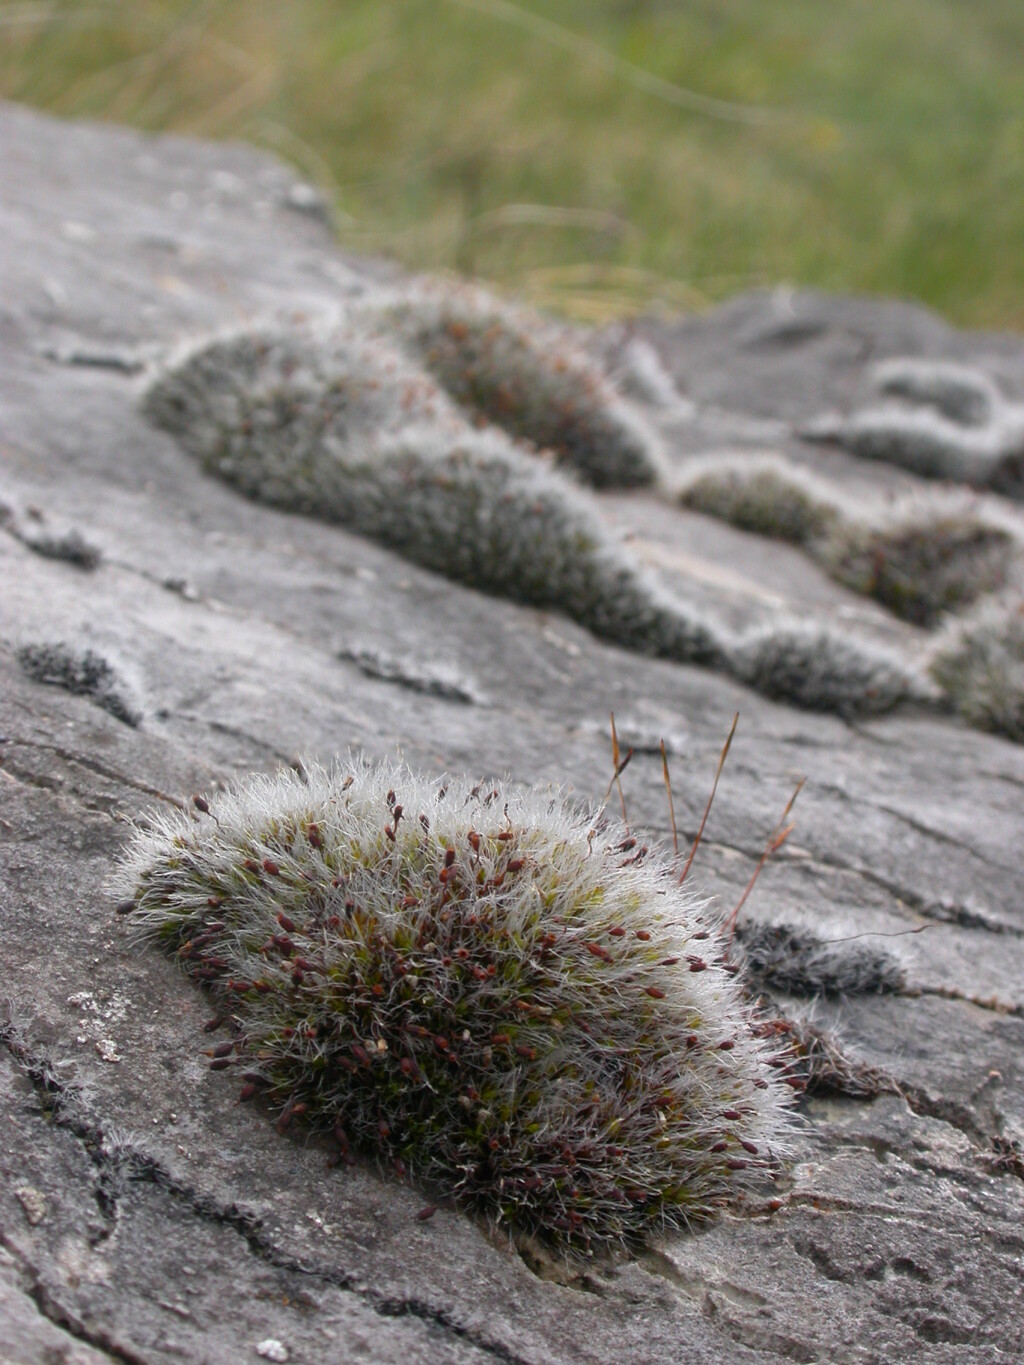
475	985
938	419
331	422
919	562
519	371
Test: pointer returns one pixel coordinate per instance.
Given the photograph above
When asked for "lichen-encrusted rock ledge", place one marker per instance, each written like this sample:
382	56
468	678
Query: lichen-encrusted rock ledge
178	635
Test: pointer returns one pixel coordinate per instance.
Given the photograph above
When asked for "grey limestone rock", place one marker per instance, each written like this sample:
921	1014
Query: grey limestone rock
178	1224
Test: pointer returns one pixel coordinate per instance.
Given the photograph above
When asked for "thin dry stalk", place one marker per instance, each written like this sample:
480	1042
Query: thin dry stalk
620	765
776	839
671	804
879	933
714	788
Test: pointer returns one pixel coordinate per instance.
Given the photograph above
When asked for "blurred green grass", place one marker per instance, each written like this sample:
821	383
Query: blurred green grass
600	157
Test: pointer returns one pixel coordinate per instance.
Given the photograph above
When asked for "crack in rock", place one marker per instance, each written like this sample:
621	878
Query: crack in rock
117	1160
63	1317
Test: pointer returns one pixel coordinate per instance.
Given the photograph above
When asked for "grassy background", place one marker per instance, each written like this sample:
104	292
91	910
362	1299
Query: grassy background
598	156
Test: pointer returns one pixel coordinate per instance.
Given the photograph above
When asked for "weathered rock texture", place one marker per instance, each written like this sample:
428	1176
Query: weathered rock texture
145	1216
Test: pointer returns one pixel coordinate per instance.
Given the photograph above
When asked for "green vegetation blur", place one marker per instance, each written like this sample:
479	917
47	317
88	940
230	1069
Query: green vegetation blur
598	157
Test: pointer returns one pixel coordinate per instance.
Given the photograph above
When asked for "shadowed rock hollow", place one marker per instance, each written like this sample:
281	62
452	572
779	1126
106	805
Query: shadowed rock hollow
147	1216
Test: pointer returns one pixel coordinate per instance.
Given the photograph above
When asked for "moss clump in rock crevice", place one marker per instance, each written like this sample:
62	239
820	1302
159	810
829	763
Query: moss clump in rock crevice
810	666
474	984
342	427
939	420
763	497
921	566
795	961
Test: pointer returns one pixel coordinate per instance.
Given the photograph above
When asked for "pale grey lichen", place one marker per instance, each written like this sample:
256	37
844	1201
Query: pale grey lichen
433	678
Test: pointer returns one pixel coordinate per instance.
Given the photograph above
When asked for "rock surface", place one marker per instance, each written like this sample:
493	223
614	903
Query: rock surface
144	1215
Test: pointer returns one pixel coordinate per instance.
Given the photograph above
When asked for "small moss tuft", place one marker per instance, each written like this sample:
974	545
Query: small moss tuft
71	547
797	962
763	499
922	567
474	984
979	663
82	672
919	564
524	374
820	670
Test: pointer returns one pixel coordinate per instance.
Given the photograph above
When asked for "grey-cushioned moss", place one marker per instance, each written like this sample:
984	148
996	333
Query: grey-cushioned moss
524	374
979	663
476	983
340	425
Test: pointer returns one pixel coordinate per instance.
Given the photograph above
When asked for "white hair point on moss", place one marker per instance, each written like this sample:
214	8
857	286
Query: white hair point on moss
342	426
